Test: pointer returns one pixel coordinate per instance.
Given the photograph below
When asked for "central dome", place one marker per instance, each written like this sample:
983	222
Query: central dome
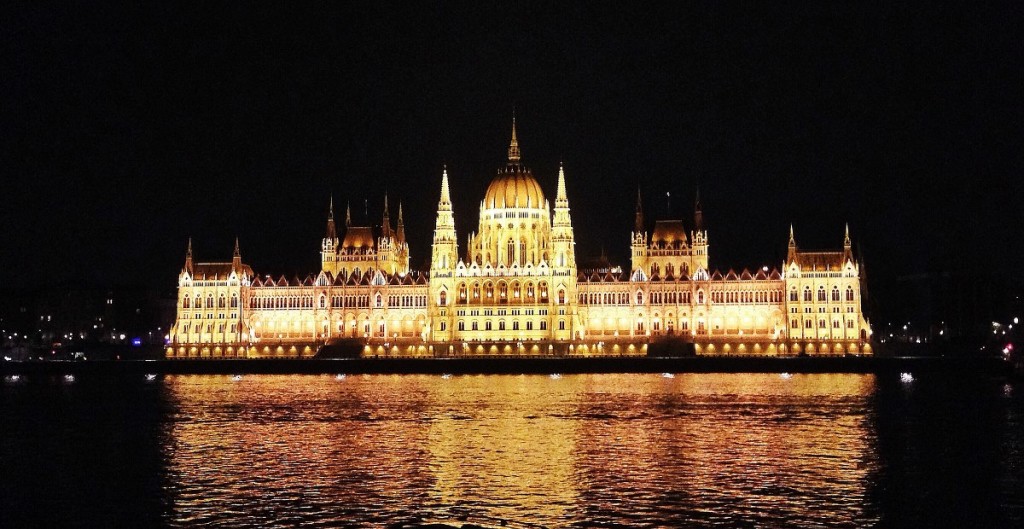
514	188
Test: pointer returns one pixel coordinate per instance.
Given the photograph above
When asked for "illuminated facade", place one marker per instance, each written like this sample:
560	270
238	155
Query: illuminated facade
516	290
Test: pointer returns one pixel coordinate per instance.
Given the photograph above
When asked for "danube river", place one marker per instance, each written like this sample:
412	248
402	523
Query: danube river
694	450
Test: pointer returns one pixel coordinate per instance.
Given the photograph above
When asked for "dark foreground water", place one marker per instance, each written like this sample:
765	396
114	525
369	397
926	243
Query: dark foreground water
696	450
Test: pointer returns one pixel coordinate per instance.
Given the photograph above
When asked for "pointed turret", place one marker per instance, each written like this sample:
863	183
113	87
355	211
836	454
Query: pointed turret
385	225
698	212
236	258
638	223
446	200
348	215
847	245
188	257
513	146
791	254
560	195
401	226
332	231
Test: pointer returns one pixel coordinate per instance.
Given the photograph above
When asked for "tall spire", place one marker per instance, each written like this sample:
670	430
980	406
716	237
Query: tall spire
348	215
446	199
332	232
791	252
401	225
638	225
188	256
386	221
513	146
847	245
698	212
236	258
561	196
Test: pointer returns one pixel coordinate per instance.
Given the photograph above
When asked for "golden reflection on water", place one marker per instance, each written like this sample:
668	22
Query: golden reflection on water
629	449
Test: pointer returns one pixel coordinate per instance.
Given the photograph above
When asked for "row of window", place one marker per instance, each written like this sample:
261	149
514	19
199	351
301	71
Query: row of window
821	294
670	269
187	302
209	316
489	325
809	324
187	328
476	293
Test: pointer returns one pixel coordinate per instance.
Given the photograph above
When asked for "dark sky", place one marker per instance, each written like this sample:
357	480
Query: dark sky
127	130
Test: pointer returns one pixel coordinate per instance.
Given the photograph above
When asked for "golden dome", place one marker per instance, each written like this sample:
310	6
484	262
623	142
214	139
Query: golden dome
514	188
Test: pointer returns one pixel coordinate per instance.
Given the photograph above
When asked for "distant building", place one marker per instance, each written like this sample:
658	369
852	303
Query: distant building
516	290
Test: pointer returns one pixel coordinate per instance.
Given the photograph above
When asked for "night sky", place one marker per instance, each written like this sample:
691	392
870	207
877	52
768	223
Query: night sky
127	130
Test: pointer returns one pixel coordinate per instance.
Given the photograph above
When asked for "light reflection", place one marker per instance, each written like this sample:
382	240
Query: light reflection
906	378
733	446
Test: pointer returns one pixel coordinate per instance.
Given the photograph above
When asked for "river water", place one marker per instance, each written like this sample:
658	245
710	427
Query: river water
689	450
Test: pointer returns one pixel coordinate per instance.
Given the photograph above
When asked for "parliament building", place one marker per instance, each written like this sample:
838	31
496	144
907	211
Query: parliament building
515	290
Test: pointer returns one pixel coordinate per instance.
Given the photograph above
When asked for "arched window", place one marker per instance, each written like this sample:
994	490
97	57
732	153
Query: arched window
522	253
561	297
511	252
489	290
807	293
379	301
323	301
835	293
221	303
503	291
700	297
793	295
443	299
849	293
655	269
209	301
821	293
462	292
476	291
234	301
185	302
639	298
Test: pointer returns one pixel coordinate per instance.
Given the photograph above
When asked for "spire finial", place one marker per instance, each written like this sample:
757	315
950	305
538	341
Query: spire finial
698	211
846	236
560	195
513	146
792	240
332	232
445	196
386	221
188	257
348	215
401	225
237	252
638	225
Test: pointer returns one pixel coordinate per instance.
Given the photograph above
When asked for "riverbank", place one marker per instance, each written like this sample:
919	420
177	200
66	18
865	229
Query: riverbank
986	366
